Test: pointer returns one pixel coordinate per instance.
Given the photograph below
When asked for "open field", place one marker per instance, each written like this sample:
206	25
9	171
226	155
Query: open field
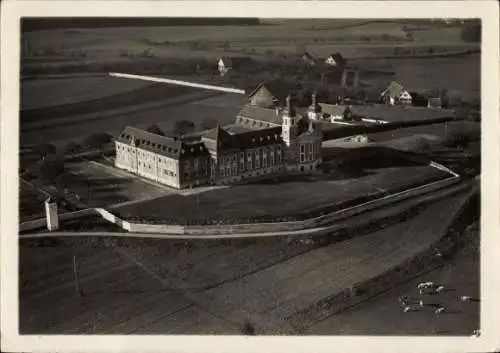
304	197
97	187
78	127
168	287
38	94
461	276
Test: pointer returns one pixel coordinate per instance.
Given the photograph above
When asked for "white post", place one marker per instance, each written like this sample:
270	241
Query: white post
51	214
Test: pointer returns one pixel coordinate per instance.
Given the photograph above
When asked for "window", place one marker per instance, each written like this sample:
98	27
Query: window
249	160
271	155
264	158
222	170
235	169
257	159
302	153
310	152
228	168
196	163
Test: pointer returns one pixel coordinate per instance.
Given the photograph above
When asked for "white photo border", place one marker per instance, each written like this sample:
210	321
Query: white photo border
487	11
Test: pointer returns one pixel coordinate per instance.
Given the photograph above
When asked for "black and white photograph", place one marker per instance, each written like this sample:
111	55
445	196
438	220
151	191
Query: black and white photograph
250	175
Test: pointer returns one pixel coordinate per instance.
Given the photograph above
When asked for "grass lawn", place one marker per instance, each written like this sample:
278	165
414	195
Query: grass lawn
290	199
97	187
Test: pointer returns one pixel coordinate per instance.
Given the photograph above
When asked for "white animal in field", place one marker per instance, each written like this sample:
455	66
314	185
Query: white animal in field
425	285
439	289
440	310
466	298
411	308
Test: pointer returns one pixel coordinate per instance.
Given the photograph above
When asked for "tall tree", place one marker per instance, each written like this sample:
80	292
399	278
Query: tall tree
183	127
154	129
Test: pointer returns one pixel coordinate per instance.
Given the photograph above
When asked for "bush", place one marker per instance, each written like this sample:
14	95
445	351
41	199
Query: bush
154	129
50	170
97	141
72	148
45	150
183	127
248	329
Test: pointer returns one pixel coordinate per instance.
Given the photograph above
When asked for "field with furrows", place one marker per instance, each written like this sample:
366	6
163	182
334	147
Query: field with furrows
210	286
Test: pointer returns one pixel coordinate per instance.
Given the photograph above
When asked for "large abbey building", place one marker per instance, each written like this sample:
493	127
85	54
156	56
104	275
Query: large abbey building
269	137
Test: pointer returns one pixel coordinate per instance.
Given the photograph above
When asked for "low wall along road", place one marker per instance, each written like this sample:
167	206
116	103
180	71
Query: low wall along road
312	226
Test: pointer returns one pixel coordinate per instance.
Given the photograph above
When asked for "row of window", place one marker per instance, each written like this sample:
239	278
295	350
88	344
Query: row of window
303	152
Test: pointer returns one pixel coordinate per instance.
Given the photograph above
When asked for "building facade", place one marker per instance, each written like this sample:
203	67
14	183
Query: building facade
265	140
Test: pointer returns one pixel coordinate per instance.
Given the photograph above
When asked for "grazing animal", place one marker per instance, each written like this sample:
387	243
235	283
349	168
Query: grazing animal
439	310
425	285
410	308
466	298
439	289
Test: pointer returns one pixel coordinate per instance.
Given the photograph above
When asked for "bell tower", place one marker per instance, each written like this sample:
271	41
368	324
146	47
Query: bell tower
289	126
314	111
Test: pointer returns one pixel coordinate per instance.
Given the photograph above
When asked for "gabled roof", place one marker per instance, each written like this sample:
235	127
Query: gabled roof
163	145
308	56
279	89
253	112
235	60
332	109
338	58
394	90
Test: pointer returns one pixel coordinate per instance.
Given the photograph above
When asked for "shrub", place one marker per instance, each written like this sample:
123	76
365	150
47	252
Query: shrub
45	149
248	329
73	148
97	141
183	127
154	129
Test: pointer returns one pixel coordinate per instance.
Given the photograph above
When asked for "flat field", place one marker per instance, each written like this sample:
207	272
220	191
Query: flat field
36	94
163	113
205	286
98	186
292	198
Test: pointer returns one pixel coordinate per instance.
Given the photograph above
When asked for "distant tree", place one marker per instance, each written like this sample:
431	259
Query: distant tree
45	149
50	170
209	123
97	141
304	97
183	127
154	129
72	148
248	329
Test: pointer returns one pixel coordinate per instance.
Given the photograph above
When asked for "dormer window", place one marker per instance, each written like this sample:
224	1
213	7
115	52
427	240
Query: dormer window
268	138
192	149
253	140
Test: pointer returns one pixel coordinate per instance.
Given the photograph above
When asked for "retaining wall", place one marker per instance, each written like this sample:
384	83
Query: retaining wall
248	228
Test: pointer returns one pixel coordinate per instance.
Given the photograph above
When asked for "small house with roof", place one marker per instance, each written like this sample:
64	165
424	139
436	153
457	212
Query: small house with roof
396	93
337	61
226	63
308	59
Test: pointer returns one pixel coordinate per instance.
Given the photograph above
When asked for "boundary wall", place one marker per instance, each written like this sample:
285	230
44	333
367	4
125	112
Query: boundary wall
248	228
